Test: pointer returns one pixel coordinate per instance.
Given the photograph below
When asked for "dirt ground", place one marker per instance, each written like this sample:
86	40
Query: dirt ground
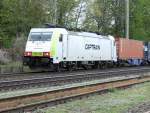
141	108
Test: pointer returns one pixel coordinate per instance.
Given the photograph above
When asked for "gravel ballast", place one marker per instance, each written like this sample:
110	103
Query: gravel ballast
46	89
116	101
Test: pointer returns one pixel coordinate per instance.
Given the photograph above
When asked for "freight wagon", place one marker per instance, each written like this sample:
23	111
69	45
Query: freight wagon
129	51
147	52
58	47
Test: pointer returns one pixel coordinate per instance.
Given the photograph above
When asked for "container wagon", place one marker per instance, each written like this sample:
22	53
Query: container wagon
147	52
129	51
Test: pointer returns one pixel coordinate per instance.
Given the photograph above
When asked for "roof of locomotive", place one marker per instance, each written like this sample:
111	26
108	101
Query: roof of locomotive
61	30
65	31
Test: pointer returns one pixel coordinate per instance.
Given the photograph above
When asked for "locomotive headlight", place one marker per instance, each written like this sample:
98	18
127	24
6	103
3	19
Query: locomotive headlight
27	53
46	54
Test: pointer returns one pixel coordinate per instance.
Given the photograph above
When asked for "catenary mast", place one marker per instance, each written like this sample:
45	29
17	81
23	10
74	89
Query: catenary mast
127	19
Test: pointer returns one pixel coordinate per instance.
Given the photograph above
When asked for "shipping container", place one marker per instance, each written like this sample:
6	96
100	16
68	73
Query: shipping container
147	51
130	50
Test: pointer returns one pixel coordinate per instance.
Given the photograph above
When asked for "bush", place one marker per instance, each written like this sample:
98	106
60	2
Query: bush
18	48
5	42
4	57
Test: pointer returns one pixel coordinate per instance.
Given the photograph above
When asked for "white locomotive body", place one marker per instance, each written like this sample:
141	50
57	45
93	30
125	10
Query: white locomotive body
59	46
89	47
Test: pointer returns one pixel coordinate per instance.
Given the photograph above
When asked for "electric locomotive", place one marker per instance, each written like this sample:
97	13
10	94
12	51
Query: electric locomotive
60	48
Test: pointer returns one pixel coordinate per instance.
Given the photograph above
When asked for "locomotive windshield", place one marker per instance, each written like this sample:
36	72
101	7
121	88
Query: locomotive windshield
40	36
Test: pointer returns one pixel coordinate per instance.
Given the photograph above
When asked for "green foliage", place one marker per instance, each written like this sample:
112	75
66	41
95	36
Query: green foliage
64	8
106	16
7	43
18	16
112	90
140	20
23	14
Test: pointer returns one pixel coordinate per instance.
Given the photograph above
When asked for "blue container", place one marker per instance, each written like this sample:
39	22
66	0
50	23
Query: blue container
147	52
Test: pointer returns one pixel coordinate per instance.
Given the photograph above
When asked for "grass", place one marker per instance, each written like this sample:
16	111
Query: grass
15	65
116	101
12	67
12	64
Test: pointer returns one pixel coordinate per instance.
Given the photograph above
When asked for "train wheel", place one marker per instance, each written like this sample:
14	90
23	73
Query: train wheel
69	67
103	65
85	67
57	67
96	65
32	67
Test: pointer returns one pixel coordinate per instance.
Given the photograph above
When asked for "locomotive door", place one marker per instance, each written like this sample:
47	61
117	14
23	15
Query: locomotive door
64	47
113	50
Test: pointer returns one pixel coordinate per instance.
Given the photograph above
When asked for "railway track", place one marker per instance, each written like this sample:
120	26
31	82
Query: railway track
33	101
48	81
30	75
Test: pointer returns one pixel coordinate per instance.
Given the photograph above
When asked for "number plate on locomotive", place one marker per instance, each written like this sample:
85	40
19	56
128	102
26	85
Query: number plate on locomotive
37	54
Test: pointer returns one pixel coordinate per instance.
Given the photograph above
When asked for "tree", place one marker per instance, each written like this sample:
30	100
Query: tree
118	14
140	19
100	13
64	9
20	15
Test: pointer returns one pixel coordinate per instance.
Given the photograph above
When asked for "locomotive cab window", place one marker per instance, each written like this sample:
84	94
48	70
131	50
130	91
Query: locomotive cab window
61	38
37	36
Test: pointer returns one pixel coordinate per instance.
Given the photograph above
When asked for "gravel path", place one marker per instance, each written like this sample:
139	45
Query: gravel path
141	108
